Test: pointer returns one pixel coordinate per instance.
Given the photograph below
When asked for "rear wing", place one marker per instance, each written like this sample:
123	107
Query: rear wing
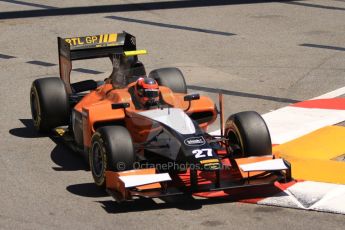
96	46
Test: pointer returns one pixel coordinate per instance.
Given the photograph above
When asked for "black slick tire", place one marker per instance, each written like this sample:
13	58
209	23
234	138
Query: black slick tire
49	104
170	77
249	131
111	150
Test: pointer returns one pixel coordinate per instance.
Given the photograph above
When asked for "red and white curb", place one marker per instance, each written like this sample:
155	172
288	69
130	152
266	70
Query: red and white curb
310	195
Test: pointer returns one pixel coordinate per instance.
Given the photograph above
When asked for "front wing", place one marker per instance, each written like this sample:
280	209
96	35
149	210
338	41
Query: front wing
236	173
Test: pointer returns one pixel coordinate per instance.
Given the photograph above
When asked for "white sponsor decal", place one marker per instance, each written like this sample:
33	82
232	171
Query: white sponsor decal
195	141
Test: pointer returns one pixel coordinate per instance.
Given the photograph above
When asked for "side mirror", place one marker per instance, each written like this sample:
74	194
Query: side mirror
189	98
192	97
120	105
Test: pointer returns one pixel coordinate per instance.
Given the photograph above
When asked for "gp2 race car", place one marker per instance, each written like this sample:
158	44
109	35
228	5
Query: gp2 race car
160	150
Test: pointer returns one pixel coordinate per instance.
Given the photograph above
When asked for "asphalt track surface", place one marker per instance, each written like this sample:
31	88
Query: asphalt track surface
263	54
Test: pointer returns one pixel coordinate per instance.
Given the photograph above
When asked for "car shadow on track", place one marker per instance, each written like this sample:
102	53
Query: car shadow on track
28	131
66	159
87	190
182	202
140	205
61	155
186	203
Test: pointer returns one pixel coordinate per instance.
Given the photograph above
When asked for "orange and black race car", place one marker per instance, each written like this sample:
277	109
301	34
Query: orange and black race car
143	135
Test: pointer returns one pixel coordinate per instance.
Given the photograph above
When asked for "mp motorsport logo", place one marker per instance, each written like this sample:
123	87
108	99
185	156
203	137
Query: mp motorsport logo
194	141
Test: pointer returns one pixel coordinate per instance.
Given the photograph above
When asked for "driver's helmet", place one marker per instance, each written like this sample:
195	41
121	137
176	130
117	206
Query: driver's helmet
147	91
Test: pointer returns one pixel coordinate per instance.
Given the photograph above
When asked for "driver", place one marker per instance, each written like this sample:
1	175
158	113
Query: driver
147	92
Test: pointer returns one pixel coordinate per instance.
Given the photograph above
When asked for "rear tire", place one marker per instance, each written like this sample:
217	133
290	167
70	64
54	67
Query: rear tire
111	150
49	104
249	132
171	78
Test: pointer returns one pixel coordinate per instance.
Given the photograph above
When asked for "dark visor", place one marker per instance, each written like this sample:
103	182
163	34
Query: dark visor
150	93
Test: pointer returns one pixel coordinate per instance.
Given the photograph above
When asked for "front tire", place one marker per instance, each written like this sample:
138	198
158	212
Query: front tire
248	131
111	150
49	104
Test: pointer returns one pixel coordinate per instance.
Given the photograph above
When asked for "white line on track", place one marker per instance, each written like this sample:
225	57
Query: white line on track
332	94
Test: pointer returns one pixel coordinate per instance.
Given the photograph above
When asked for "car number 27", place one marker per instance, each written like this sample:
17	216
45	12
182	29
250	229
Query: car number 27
200	153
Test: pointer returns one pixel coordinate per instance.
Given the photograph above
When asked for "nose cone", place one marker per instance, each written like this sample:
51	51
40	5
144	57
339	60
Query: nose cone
203	158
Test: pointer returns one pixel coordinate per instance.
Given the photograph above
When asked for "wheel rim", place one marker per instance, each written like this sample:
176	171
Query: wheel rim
35	108
97	159
235	140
